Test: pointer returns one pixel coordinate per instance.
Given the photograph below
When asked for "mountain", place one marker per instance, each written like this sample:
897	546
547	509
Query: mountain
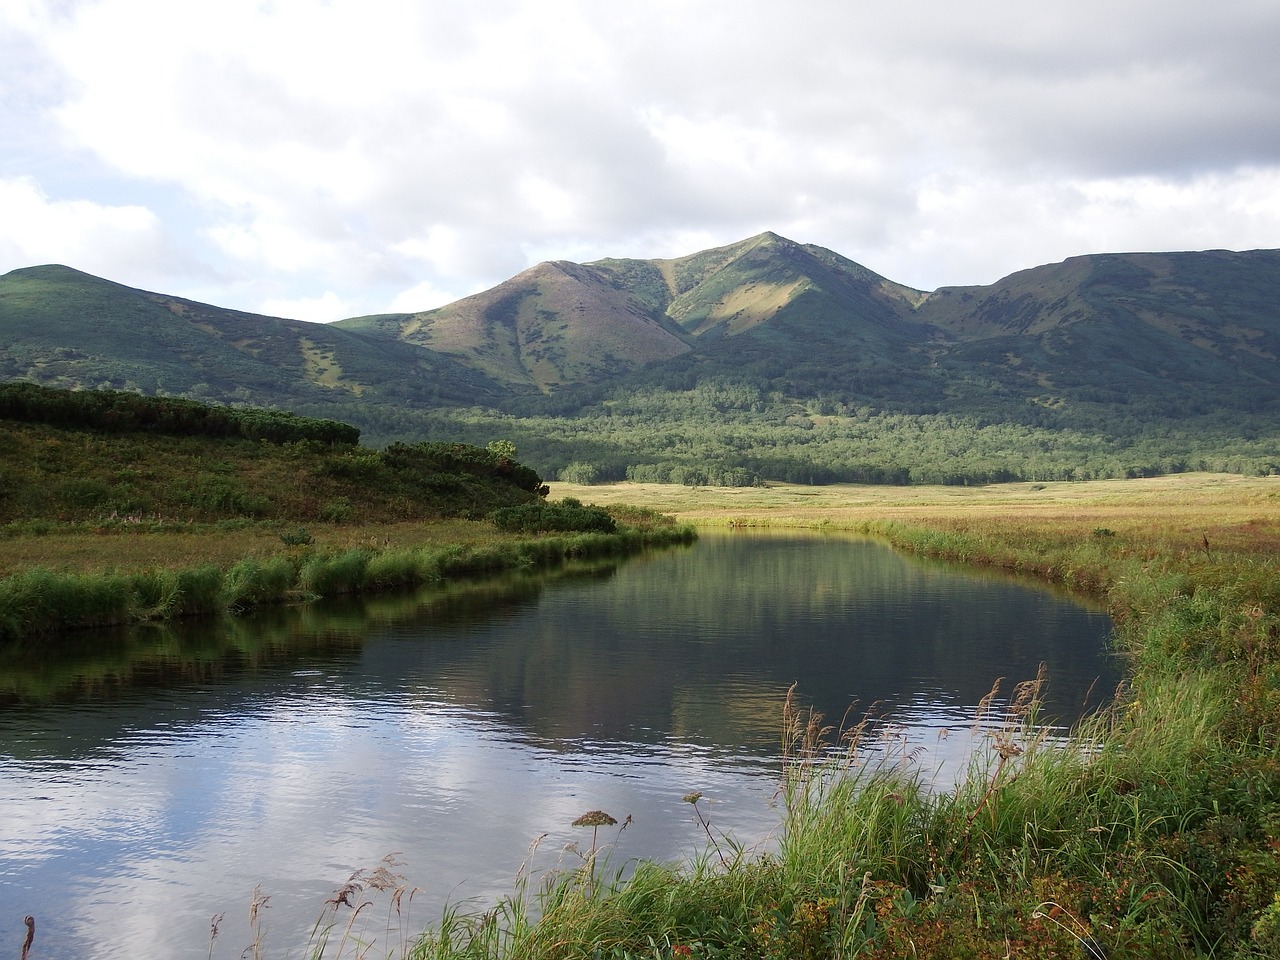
61	327
1195	331
562	323
775	342
550	326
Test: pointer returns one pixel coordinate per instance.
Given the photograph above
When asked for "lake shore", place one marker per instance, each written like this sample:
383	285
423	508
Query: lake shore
69	577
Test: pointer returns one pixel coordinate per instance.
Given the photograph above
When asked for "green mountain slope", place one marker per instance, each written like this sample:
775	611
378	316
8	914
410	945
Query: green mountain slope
555	324
765	306
1176	334
794	318
61	327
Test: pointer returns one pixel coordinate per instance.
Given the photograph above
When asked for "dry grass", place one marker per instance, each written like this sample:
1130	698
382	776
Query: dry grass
123	548
1232	512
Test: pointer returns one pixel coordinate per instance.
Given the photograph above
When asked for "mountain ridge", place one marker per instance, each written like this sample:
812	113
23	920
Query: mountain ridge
1115	345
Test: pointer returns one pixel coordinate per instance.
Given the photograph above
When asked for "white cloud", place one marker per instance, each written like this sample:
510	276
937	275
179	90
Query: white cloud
322	309
422	296
98	238
374	148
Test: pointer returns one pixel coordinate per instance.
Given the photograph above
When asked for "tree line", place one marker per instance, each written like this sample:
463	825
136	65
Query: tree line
119	411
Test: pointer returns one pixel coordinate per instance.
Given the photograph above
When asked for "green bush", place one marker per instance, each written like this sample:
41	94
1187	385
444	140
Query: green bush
118	411
566	516
336	511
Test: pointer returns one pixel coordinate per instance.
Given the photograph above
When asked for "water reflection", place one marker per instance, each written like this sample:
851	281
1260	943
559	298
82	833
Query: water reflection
156	780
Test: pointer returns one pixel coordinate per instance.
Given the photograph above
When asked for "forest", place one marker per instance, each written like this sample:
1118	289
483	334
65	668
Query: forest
721	432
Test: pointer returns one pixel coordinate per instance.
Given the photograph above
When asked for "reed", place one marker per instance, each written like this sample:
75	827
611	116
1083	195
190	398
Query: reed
332	575
39	599
254	583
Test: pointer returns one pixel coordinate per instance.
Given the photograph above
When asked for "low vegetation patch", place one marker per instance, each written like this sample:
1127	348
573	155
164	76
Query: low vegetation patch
115	458
568	515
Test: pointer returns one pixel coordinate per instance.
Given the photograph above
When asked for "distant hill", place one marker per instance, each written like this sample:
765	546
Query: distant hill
1122	349
564	324
64	328
1194	332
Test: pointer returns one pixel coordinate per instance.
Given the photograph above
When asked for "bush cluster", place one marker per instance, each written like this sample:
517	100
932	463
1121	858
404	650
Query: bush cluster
117	411
566	516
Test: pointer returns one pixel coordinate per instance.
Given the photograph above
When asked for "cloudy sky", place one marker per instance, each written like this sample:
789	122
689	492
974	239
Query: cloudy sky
329	158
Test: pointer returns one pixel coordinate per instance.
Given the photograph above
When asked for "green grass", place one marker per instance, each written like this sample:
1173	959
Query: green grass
40	601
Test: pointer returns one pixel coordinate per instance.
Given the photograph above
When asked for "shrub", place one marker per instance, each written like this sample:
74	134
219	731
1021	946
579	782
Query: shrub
336	511
567	516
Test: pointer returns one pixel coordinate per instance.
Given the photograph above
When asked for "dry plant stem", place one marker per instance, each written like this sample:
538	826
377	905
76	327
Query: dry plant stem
693	798
257	903
1022	710
214	923
1088	946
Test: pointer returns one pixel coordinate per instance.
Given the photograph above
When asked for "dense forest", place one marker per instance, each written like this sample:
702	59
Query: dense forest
722	433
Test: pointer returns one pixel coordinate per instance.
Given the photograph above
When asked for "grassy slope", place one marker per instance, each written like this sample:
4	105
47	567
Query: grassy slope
65	328
51	473
110	528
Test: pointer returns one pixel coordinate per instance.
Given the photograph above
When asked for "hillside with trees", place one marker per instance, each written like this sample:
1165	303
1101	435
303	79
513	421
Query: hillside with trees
761	360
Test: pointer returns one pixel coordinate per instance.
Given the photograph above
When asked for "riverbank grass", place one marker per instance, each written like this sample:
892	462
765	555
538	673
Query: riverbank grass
335	561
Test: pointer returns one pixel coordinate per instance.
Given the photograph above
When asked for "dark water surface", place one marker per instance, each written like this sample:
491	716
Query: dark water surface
151	785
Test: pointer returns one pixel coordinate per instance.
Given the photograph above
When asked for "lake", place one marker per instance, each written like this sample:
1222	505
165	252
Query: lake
152	780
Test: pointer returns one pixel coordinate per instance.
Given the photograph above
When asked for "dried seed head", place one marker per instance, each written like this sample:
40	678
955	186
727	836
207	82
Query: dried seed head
595	818
1007	749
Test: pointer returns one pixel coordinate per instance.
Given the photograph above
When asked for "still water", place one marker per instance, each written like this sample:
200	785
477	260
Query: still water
154	781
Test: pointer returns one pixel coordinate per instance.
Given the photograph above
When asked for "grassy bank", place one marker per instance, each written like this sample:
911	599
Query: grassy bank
1155	833
68	577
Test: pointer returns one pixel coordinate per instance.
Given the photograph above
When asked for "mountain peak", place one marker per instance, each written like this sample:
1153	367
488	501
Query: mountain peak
50	271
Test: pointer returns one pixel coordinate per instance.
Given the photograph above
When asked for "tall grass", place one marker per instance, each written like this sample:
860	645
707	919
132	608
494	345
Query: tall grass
38	601
254	583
